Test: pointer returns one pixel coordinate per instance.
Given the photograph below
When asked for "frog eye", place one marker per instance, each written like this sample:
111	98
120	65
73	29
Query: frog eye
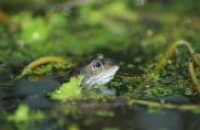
96	64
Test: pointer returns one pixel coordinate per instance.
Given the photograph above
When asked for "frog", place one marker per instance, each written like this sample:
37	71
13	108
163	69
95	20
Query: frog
98	72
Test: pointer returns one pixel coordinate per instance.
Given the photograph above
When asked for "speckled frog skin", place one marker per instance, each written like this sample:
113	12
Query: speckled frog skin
98	72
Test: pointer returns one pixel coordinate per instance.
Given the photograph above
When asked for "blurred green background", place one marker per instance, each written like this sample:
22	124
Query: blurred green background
30	29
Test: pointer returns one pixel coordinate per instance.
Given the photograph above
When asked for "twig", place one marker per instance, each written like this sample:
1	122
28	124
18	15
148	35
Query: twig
89	106
183	107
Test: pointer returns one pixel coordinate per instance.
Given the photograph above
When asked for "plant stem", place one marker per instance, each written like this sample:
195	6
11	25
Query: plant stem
193	77
183	107
163	62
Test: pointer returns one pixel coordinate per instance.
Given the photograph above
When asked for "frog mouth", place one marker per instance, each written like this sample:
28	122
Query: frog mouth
102	77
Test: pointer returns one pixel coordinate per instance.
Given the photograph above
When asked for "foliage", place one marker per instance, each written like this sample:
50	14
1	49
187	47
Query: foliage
68	91
24	115
135	35
158	91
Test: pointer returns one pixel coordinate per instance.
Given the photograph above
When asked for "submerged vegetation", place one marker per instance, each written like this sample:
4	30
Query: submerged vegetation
155	43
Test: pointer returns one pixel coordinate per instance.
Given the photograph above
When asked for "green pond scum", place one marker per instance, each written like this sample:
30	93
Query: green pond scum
153	44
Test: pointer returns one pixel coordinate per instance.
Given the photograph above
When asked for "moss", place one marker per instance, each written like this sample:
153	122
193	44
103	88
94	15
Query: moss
68	91
158	91
24	115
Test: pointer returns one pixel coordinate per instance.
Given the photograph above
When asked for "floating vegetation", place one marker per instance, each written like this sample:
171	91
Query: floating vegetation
192	72
24	115
34	66
158	91
68	91
40	39
154	74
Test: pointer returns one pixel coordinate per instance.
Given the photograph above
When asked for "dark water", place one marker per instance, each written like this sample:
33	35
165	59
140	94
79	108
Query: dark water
116	115
34	94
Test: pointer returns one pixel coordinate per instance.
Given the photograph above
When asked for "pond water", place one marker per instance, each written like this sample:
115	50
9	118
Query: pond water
93	114
136	34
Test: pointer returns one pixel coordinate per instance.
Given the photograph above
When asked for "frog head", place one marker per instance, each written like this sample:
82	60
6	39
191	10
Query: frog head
99	72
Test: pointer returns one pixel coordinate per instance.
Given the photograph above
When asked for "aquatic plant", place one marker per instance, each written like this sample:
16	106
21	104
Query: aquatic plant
68	91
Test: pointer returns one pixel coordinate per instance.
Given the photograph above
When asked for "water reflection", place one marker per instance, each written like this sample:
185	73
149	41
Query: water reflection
33	94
